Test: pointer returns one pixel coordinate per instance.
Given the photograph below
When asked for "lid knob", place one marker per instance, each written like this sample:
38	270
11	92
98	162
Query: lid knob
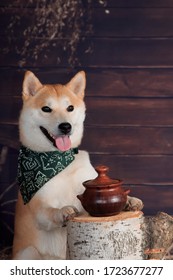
102	179
102	170
102	174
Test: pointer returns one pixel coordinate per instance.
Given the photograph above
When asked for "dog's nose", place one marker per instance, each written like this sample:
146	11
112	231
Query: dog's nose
65	127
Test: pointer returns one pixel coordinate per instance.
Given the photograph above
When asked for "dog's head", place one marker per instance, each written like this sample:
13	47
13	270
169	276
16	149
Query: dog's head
52	115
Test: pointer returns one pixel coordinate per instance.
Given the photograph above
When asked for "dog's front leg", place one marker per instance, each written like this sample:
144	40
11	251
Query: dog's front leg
133	204
48	218
63	215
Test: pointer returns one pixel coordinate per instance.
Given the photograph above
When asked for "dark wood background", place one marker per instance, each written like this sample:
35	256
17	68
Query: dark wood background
129	97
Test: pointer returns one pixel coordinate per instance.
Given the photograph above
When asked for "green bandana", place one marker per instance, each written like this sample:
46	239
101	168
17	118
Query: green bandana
37	168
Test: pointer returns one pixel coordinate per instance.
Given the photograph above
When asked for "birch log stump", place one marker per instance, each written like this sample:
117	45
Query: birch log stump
113	237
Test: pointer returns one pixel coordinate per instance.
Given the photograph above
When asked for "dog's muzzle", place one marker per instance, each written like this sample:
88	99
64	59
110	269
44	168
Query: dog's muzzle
62	140
65	128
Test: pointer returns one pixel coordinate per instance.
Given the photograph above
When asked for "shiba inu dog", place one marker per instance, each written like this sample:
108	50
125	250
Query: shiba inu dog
51	170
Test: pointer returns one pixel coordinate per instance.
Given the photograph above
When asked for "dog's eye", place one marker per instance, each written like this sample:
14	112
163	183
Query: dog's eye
46	109
70	108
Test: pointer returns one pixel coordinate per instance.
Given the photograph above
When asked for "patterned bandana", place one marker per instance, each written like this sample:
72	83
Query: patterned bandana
37	168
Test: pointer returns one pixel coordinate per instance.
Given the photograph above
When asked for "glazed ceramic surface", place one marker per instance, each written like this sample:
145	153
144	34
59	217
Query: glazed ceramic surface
103	196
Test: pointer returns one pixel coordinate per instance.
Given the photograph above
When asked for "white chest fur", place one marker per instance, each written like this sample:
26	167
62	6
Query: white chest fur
60	191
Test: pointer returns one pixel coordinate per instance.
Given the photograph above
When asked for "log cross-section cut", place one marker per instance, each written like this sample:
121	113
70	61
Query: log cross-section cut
113	237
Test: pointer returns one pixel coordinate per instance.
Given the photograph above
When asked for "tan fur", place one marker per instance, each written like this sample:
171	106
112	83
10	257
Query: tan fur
39	225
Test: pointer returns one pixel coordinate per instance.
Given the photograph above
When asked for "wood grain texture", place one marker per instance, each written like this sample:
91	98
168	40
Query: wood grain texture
108	83
132	52
136	3
111	53
155	197
136	22
110	3
129	111
128	140
86	218
137	169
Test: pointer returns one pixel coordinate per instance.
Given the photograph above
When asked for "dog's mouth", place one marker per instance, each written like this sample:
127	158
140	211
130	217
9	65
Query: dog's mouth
62	142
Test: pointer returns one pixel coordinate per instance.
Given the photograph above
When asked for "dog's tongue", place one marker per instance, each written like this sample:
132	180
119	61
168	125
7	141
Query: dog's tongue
63	143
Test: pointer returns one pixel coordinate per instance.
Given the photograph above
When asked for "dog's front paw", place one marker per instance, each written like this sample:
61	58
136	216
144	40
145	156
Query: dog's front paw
133	204
67	213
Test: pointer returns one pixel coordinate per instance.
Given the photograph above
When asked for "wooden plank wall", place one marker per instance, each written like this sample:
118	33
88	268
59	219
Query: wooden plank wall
129	96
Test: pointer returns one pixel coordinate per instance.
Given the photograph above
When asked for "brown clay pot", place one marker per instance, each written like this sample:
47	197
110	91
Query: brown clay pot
103	196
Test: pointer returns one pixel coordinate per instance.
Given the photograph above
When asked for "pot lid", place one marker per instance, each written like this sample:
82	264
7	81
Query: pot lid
102	179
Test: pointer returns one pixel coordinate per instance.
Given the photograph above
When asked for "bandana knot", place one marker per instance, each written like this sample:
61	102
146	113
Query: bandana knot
37	168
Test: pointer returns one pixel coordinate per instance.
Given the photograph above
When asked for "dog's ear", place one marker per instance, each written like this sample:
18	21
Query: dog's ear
30	85
78	83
